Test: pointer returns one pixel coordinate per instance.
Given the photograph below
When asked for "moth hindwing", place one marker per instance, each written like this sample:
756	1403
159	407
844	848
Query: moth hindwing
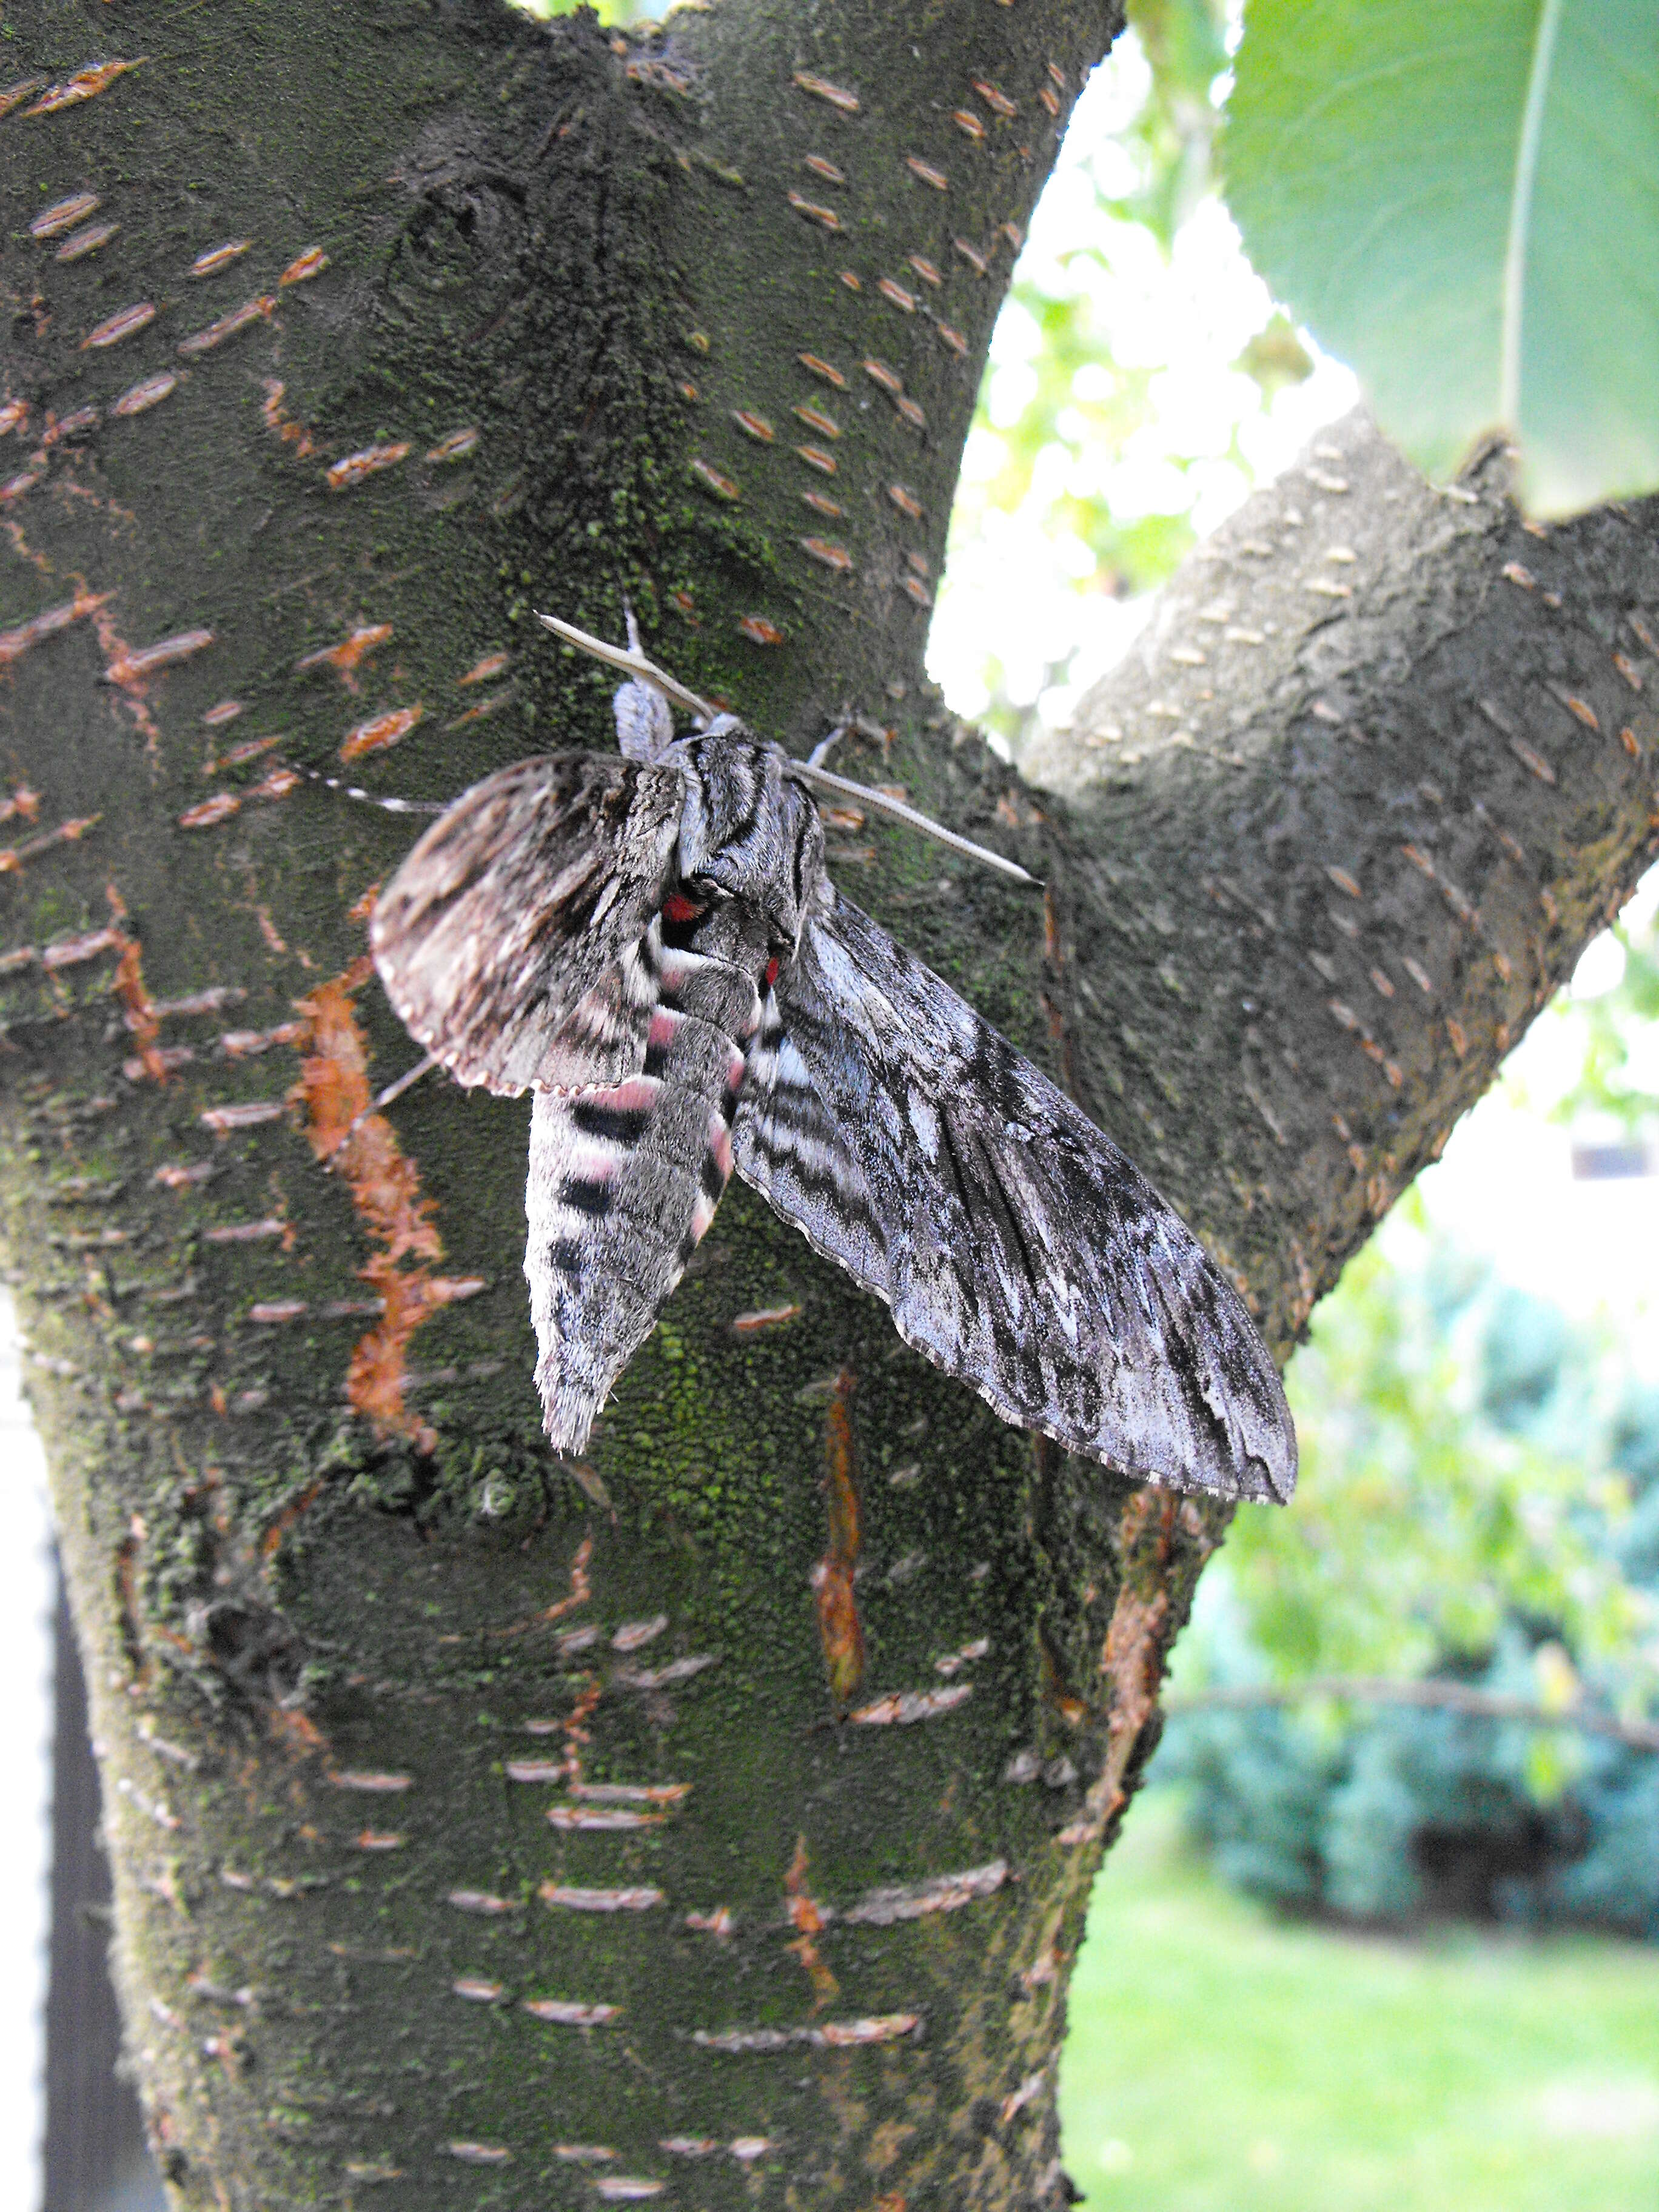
652	945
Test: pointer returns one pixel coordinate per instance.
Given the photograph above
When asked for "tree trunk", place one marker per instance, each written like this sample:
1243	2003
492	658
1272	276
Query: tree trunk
480	1820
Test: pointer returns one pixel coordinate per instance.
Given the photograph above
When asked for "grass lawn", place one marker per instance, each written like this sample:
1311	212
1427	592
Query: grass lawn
1220	2060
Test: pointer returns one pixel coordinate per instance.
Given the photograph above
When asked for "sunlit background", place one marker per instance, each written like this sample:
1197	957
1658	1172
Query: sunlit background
1393	1958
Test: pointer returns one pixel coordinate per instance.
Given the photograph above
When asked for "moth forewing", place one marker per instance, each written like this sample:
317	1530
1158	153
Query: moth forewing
512	941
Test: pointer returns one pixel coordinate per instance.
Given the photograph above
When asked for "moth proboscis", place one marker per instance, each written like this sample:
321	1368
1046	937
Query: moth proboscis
650	943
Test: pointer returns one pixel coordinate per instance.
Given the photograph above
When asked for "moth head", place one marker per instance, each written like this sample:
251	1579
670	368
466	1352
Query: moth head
644	724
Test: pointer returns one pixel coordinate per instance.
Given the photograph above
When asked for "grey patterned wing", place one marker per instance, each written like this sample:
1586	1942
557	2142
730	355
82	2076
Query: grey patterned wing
1018	1248
517	939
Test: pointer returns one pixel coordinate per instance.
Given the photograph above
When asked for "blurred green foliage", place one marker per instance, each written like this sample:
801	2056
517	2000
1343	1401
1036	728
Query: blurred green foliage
1616	1032
1463	203
1456	1470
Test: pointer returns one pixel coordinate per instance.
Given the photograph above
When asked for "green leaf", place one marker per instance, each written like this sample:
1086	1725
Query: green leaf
1460	197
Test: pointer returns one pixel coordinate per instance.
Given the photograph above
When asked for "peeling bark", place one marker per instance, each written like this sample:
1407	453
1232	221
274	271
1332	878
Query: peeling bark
517	1828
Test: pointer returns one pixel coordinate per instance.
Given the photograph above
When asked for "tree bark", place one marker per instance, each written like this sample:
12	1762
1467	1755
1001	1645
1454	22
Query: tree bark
719	1812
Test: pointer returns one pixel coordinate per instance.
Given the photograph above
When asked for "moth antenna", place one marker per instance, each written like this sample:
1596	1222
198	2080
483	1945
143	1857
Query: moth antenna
393	1091
809	772
632	662
369	798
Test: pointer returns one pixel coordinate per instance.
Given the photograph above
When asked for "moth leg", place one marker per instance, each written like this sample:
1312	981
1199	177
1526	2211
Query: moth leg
389	1097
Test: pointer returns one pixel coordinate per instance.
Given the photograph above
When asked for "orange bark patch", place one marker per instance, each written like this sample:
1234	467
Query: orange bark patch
277	419
379	732
840	1629
807	1921
347	655
386	1189
137	1007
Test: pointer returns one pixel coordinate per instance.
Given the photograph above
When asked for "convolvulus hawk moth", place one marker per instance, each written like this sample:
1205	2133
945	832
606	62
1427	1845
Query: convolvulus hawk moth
651	945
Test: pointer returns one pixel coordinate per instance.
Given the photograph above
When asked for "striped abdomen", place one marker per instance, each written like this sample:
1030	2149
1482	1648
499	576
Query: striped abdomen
624	1182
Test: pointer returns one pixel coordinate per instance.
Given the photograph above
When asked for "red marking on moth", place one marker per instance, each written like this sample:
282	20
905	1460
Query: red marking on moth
125	323
840	1629
676	907
334	1091
927	173
85	84
665	1022
759	631
807	1921
821	88
14	643
774	964
368	462
312	262
350	653
218	256
380	731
